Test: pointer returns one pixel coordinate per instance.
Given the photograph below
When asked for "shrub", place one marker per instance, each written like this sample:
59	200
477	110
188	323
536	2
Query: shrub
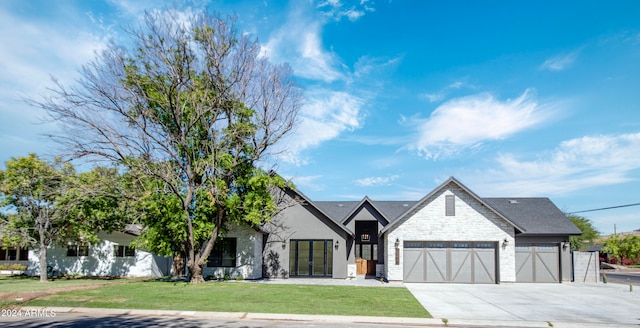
13	266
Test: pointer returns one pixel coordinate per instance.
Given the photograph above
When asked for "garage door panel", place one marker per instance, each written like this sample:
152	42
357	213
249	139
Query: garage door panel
436	265
484	266
461	266
458	262
524	264
414	265
537	263
546	265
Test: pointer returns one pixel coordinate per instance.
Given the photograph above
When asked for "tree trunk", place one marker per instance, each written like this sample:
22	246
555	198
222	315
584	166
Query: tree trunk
196	273
178	265
43	263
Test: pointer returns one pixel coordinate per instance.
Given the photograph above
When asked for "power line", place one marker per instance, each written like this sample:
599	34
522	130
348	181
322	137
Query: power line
605	208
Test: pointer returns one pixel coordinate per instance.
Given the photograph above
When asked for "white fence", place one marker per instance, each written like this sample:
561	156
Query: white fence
586	266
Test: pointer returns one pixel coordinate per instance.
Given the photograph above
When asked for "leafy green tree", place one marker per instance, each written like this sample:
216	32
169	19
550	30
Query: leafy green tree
193	106
49	203
589	233
627	247
31	188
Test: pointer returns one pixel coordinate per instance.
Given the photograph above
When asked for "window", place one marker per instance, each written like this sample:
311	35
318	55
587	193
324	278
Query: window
14	254
450	205
123	251
23	254
77	250
223	253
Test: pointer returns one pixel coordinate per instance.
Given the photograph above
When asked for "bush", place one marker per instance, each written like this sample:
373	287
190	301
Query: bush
623	261
13	267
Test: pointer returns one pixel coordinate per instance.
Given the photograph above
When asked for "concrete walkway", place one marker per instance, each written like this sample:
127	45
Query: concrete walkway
360	280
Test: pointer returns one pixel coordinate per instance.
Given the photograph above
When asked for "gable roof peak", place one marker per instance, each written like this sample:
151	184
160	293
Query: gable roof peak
438	189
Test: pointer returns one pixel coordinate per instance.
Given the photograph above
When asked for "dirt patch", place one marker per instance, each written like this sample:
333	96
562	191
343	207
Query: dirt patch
22	297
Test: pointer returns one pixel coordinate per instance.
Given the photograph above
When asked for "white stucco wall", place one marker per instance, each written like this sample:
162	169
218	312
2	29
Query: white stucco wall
101	260
248	255
472	222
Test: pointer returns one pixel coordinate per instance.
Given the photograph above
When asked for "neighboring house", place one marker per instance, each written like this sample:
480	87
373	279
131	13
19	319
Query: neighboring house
14	255
450	235
112	256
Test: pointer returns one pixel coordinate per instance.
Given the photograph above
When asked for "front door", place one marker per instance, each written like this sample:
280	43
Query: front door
366	258
311	258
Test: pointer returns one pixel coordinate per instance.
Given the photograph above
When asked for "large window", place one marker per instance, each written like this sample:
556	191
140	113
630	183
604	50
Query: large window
77	250
14	254
123	251
223	253
311	258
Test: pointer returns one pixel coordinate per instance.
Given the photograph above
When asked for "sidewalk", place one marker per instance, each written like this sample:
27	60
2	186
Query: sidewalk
316	318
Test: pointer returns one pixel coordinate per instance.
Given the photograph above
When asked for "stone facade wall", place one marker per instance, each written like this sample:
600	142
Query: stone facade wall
472	222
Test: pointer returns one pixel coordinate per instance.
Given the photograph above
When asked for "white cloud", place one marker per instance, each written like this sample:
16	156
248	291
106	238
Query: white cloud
325	116
334	95
308	182
375	181
335	9
34	49
299	42
442	93
559	62
576	164
465	123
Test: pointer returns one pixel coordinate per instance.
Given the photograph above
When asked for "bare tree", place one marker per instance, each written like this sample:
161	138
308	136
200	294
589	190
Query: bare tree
189	103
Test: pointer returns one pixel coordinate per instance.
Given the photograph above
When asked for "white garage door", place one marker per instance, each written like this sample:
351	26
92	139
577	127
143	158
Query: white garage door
457	262
537	263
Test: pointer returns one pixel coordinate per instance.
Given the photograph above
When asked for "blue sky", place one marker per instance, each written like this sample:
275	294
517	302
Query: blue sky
513	98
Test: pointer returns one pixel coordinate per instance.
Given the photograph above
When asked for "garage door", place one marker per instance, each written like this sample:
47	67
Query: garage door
458	262
537	263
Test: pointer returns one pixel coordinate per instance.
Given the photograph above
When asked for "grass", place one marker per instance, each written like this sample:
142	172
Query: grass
244	297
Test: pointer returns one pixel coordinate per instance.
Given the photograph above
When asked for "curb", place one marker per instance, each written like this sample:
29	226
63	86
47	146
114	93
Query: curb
400	321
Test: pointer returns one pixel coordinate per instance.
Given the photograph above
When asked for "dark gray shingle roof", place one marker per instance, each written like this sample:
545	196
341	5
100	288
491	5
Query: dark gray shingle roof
534	215
338	211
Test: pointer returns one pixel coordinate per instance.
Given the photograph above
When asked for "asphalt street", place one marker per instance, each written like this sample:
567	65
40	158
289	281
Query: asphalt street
626	278
82	320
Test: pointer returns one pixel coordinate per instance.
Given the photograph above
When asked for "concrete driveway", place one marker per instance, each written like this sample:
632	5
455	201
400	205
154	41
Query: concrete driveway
572	303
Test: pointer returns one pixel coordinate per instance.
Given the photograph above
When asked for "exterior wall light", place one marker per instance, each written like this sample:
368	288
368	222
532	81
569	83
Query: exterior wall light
565	245
505	243
284	244
337	244
397	244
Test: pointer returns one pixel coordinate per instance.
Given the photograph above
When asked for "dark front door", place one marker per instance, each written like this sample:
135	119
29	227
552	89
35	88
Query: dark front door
311	258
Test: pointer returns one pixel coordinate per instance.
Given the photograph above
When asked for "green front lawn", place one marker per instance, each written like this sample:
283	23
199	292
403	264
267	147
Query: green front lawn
244	297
